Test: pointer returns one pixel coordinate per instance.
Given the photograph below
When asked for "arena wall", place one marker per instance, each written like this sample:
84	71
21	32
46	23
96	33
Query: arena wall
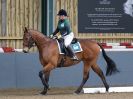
18	70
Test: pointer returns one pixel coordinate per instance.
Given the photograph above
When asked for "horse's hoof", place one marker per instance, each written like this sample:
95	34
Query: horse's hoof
40	94
107	89
76	92
43	92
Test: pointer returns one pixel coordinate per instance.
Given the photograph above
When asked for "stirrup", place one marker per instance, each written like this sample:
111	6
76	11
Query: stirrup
75	58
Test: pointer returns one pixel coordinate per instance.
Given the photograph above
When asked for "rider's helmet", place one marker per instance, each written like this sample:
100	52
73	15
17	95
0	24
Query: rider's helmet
62	12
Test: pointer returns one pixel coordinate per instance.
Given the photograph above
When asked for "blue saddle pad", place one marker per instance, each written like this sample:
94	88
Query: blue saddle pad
76	47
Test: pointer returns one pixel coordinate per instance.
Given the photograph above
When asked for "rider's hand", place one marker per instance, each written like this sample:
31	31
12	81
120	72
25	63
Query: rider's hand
54	37
51	36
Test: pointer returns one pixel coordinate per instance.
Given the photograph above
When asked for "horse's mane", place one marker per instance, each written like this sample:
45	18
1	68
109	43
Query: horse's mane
36	32
39	34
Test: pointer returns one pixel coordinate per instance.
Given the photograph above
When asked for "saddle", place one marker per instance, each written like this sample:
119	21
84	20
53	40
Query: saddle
75	45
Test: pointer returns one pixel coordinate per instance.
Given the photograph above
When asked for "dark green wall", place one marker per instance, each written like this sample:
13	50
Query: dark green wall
44	16
47	16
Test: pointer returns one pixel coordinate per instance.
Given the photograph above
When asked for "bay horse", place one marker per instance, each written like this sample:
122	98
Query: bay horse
50	58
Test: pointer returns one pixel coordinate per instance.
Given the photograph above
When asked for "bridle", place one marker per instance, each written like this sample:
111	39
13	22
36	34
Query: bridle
30	41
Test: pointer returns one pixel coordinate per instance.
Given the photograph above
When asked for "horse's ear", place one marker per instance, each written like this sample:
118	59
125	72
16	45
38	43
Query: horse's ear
25	29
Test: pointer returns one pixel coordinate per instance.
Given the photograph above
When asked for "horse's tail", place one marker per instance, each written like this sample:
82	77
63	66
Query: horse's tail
111	66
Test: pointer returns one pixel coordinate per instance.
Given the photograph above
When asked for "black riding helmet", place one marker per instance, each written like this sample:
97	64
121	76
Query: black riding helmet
62	12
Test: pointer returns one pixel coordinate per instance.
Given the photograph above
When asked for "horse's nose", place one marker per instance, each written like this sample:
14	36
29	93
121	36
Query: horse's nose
25	50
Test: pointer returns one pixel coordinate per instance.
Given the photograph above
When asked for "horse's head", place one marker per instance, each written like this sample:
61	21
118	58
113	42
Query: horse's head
27	40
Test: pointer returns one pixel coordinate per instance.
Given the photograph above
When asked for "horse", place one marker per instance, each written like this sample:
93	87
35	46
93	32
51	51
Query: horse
50	58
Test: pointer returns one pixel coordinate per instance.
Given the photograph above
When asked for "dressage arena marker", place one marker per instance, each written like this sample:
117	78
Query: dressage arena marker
111	89
107	46
106	49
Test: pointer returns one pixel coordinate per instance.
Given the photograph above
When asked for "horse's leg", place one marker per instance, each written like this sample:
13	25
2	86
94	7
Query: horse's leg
44	79
46	72
47	78
41	75
99	72
85	77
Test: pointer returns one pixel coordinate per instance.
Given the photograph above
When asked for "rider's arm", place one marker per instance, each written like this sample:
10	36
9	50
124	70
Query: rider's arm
56	31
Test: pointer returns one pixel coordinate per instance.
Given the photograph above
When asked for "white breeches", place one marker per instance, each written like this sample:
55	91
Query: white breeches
68	39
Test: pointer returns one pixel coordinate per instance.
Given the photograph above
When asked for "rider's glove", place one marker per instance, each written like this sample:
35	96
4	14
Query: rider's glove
51	36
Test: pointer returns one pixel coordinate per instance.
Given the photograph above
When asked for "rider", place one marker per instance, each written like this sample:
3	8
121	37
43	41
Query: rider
65	31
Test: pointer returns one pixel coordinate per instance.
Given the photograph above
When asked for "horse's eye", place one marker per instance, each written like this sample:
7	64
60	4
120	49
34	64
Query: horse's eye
26	38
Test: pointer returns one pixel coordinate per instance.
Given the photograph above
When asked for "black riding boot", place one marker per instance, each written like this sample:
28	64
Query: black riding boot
72	54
